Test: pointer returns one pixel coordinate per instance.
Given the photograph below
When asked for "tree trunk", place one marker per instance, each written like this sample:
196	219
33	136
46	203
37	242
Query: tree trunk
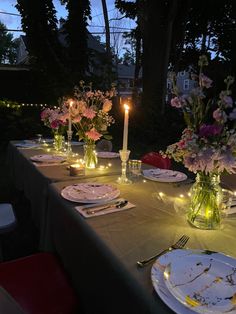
107	27
157	19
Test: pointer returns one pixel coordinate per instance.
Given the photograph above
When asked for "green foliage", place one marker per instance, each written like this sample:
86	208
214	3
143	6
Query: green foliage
76	37
7	46
19	122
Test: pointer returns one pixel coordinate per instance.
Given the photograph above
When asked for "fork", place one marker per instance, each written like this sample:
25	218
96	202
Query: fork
178	245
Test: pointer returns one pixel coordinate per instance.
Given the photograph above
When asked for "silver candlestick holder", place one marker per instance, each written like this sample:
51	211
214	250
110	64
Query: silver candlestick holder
124	156
69	148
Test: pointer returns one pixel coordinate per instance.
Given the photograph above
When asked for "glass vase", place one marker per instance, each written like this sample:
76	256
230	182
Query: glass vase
58	142
206	201
90	156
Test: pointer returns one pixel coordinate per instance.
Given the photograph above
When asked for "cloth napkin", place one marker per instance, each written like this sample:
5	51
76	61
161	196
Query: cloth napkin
83	208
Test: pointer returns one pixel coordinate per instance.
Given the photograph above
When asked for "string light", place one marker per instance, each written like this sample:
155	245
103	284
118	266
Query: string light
14	105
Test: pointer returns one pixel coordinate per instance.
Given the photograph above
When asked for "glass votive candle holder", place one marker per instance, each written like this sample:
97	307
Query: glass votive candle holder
135	166
76	170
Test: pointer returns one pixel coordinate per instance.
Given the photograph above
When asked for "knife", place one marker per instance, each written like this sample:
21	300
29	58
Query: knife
118	204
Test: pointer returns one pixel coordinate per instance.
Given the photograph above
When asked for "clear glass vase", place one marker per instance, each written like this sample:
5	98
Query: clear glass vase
90	156
59	141
206	202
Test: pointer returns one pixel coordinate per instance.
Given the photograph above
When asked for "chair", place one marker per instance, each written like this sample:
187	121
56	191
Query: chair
104	146
157	160
7	222
7	218
39	284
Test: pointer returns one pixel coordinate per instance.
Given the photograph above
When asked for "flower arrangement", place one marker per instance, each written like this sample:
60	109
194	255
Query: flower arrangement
55	119
89	110
208	143
207	146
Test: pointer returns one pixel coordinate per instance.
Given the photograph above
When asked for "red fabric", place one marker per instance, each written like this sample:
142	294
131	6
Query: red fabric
157	160
39	285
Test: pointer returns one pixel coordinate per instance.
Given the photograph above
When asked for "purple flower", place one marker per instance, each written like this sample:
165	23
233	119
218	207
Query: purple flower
209	130
227	101
226	162
205	81
232	115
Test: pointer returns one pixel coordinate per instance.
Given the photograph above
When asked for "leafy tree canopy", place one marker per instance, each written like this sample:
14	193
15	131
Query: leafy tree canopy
7	46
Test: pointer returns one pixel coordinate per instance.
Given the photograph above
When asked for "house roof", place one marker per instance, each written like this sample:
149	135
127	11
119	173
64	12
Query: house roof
126	71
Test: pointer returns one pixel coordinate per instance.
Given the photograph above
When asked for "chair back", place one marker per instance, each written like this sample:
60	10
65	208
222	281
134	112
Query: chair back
157	160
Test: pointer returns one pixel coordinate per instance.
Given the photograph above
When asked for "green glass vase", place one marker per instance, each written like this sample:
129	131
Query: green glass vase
59	141
206	202
90	156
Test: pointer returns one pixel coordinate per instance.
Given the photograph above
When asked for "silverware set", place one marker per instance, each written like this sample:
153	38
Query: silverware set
177	245
99	208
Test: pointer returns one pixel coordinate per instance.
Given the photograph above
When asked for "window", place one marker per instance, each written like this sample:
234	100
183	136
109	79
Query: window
186	84
168	85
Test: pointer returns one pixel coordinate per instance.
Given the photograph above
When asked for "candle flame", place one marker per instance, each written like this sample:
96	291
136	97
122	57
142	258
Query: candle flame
126	107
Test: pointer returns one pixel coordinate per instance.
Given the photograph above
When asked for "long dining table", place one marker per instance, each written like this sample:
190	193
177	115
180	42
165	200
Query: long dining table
100	253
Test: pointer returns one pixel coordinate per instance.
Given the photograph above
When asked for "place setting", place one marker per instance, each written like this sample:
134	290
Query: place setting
164	175
97	198
47	160
196	281
106	154
28	144
193	280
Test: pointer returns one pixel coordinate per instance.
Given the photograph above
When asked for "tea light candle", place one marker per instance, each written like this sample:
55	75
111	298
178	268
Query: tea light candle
76	170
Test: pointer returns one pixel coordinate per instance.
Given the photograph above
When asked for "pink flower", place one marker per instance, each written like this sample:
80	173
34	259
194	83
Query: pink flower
205	81
45	113
107	105
219	115
177	102
93	134
89	113
76	119
55	124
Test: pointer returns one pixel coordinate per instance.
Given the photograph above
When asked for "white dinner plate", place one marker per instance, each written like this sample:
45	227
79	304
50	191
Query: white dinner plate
108	155
90	192
27	145
164	175
196	281
48	158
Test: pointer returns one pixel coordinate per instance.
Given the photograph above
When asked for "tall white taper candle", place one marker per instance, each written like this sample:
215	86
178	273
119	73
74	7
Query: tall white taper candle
70	126
126	123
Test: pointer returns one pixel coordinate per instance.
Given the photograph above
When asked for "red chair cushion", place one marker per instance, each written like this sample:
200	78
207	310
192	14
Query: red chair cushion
39	284
157	160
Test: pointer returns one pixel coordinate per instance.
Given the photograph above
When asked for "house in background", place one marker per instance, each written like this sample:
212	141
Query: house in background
22	57
183	81
124	72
